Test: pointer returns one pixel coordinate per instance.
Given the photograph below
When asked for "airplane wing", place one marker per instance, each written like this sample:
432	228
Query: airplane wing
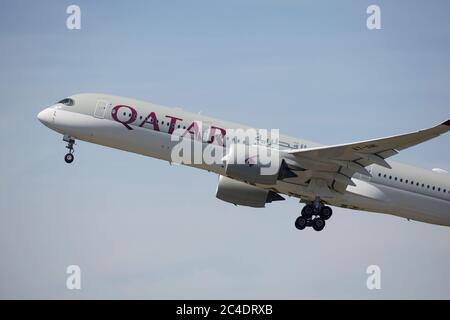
337	164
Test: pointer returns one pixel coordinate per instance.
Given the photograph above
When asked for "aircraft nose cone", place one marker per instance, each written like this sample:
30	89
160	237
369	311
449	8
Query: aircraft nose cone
44	116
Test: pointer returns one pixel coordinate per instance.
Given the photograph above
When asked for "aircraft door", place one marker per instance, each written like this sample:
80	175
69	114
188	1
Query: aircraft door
100	109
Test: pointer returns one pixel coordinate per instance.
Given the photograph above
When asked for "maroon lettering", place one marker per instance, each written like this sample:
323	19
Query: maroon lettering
173	121
153	121
219	138
130	113
193	129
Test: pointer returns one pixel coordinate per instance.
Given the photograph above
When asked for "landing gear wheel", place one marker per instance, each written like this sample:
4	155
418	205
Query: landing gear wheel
326	213
301	223
318	224
68	158
307	211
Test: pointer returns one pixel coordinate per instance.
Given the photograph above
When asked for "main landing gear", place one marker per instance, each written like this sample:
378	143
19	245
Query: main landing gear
314	215
68	158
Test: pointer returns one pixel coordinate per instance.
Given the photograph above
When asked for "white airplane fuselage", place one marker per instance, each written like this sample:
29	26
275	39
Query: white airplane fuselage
147	129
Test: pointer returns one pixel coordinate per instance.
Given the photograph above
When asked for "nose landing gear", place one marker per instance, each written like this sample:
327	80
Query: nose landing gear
314	215
68	158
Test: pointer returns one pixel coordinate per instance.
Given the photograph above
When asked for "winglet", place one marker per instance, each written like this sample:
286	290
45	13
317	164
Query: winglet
447	123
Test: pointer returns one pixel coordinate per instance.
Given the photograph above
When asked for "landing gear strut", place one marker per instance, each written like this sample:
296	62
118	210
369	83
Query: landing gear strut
68	158
314	215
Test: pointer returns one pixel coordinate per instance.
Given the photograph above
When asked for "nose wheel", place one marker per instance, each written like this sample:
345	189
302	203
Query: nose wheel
69	157
314	215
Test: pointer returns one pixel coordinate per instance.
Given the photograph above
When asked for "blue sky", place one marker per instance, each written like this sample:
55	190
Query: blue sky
140	228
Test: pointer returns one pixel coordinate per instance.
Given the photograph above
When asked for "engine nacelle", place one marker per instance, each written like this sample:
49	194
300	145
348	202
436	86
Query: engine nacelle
240	193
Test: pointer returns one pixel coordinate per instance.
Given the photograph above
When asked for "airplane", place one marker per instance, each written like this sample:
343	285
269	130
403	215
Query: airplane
352	175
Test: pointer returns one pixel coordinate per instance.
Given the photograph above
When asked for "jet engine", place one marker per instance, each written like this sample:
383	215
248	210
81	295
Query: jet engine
240	193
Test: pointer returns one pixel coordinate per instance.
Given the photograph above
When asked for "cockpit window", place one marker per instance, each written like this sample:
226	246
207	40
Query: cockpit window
67	102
